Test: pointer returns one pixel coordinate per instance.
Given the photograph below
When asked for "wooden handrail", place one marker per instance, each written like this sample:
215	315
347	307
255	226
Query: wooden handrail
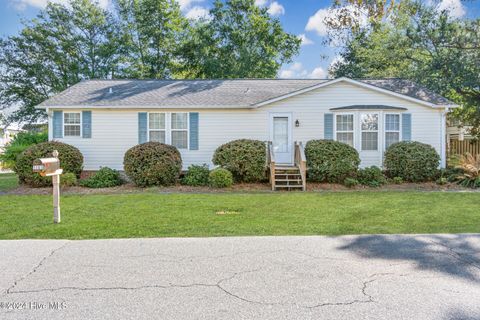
271	163
301	163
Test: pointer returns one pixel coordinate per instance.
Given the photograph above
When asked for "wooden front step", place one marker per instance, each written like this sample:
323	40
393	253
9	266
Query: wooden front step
287	178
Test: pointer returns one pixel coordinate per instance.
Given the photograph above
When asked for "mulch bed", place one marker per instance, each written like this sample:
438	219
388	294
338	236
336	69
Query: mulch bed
241	187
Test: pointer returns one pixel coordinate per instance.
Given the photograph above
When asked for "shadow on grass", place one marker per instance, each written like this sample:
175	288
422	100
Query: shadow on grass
453	255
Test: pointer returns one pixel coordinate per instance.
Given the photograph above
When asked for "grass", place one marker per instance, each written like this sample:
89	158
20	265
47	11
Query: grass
234	214
8	181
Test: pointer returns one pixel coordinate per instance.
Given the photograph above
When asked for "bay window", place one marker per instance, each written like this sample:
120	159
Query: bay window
392	129
369	127
344	128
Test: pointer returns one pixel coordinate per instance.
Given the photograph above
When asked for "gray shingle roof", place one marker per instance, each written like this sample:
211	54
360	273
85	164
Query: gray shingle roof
238	93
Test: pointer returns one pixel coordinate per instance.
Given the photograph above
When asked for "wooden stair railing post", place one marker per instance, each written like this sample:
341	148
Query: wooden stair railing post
271	160
301	163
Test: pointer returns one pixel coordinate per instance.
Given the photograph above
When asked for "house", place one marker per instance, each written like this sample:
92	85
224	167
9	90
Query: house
7	134
104	118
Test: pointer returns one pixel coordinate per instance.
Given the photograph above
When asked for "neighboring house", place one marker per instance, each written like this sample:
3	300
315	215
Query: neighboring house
104	118
459	139
6	135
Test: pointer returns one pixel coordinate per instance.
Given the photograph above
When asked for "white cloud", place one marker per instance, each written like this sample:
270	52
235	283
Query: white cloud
197	13
305	41
276	9
318	73
186	4
454	7
295	70
23	4
261	3
317	21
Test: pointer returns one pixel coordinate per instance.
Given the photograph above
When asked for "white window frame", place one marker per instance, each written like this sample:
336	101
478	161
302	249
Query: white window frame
344	131
69	124
373	131
385	131
187	130
157	130
168	128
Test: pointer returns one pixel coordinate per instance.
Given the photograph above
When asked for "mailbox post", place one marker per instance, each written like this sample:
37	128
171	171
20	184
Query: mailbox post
50	167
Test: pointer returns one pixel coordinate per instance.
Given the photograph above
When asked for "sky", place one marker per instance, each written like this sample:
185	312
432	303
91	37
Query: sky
303	18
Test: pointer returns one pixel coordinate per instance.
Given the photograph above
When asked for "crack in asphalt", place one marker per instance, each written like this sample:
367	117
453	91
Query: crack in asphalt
217	285
35	268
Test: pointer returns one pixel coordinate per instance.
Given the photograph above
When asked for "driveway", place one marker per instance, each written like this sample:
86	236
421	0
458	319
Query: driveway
350	277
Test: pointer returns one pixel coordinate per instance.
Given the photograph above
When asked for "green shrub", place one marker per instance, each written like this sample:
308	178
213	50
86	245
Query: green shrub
245	159
103	178
351	182
371	176
68	179
196	175
153	163
397	180
71	160
20	143
330	161
220	178
412	161
442	181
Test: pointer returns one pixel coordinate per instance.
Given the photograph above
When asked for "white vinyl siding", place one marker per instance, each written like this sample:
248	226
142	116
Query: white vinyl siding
115	131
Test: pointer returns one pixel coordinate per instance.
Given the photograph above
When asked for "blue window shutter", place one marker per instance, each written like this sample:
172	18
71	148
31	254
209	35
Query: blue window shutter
328	126
193	130
57	125
142	127
87	124
406	126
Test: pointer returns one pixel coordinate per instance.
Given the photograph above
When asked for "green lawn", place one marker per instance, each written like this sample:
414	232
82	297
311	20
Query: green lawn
8	181
188	215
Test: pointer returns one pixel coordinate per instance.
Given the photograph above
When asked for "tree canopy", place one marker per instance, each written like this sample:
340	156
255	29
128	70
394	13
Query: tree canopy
145	39
420	43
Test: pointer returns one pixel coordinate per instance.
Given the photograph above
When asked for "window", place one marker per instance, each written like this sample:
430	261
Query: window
157	127
369	126
71	124
344	128
392	129
180	130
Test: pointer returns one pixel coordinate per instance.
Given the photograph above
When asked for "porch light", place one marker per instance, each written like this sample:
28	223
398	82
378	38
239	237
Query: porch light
297	123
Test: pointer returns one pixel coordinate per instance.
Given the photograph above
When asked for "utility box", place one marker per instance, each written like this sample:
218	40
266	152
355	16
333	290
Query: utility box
47	166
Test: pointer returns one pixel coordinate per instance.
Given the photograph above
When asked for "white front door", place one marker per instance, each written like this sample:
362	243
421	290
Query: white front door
281	135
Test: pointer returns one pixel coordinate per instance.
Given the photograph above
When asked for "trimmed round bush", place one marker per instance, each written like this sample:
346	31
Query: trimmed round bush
103	178
71	160
220	178
152	164
245	159
412	161
330	161
196	176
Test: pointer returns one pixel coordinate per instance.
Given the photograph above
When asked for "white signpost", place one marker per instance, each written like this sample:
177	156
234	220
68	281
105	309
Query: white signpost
50	167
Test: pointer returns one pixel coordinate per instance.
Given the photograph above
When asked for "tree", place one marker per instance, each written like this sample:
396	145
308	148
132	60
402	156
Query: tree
426	46
62	46
238	40
150	32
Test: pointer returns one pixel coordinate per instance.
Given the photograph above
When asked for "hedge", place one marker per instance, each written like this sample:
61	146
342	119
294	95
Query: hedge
244	158
153	163
71	160
330	161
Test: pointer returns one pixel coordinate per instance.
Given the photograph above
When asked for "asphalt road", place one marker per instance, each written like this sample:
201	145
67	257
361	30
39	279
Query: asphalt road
351	277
